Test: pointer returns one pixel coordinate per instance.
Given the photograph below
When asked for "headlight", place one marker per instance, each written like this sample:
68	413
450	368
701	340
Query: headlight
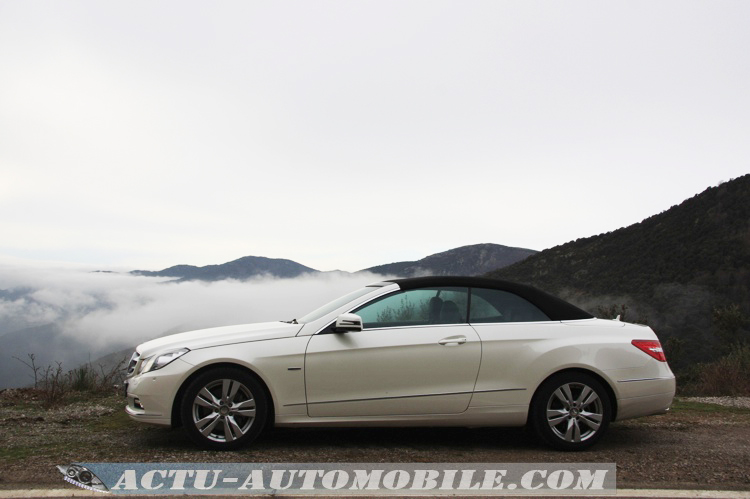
160	360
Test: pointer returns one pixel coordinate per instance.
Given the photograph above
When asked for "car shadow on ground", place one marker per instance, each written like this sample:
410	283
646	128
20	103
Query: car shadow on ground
420	444
331	443
470	438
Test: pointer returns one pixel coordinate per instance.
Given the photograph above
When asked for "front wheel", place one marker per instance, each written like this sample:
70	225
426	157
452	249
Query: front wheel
224	409
571	411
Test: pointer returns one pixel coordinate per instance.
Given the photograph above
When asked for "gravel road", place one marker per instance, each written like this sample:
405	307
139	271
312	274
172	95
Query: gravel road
696	446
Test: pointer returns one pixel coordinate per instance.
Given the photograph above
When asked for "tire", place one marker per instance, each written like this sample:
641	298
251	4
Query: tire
571	411
224	409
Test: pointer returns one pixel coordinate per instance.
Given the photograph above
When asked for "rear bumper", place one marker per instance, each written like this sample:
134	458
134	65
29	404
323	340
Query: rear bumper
656	397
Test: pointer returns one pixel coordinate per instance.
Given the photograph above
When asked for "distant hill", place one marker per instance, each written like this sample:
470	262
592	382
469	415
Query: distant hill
672	269
240	269
466	260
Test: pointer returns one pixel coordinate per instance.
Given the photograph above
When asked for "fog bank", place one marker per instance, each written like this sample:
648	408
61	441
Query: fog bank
74	315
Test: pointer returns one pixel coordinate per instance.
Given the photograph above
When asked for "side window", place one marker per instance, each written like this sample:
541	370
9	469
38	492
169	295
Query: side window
493	305
416	307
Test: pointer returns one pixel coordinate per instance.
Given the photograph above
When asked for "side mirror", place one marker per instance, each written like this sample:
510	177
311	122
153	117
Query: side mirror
348	322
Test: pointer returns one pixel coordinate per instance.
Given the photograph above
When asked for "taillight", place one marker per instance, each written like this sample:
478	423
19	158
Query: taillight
651	347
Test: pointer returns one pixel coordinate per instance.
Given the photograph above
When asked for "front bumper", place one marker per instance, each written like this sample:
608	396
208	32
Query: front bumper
150	395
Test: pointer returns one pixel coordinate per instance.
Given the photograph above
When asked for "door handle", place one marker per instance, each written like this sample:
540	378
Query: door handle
453	340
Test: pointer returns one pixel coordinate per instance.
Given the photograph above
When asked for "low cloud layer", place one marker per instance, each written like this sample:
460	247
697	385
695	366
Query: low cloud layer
101	313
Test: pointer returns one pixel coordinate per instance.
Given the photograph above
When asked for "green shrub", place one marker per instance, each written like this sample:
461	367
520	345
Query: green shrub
729	375
83	378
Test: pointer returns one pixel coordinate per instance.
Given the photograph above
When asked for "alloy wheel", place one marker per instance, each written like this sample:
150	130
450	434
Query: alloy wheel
224	410
575	412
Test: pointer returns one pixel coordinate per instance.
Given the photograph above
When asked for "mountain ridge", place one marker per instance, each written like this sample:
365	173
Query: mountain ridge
465	260
472	259
674	269
245	267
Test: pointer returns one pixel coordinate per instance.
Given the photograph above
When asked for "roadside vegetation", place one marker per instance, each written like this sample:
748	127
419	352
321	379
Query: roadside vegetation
53	385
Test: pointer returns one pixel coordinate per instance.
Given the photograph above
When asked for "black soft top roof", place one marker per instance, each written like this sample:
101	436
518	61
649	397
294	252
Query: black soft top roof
555	308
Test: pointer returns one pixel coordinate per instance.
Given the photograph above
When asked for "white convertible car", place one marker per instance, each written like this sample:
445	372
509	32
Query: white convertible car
431	351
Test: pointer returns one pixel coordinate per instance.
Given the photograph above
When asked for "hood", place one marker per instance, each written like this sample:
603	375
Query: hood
218	336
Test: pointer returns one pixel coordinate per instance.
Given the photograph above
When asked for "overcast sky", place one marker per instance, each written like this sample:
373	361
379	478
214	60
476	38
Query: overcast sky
345	134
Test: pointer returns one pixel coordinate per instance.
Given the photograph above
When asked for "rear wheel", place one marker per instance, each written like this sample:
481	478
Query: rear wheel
224	409
571	411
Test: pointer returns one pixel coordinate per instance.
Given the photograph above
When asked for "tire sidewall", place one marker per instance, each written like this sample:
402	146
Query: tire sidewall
539	410
195	386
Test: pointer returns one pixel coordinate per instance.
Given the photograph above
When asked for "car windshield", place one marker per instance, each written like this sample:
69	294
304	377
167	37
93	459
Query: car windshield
338	302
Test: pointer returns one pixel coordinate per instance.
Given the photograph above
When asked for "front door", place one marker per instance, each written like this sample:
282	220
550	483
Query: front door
416	355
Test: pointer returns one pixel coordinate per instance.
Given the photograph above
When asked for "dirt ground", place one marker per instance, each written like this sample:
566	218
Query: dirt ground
697	445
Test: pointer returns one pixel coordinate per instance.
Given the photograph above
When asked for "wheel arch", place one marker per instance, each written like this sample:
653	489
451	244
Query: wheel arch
176	419
581	370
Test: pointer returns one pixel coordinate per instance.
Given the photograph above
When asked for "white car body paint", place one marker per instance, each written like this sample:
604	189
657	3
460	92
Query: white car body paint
467	374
